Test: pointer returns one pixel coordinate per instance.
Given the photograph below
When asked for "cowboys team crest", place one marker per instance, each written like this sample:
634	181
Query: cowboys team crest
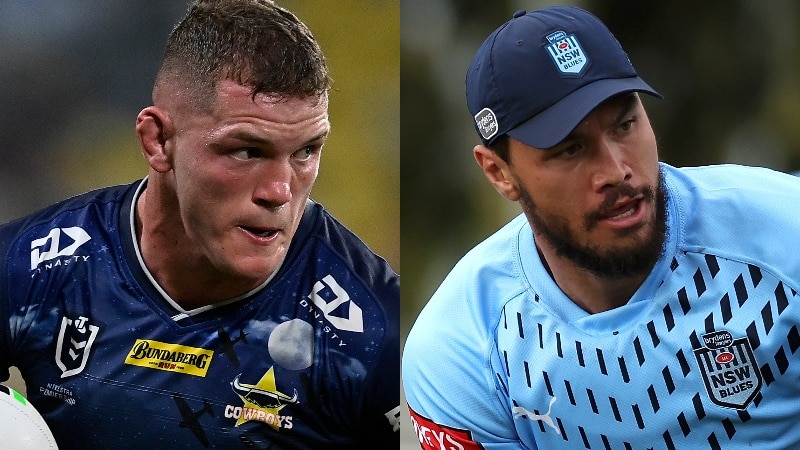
729	369
567	54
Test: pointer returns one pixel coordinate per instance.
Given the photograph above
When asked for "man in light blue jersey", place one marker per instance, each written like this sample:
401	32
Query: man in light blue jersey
632	304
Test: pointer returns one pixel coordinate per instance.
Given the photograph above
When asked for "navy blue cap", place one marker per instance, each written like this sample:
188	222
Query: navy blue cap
541	73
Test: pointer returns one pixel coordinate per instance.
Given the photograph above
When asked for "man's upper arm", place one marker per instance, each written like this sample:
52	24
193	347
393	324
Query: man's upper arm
449	388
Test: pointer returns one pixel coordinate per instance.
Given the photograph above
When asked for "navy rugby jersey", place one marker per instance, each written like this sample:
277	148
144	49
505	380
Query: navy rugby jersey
309	360
704	355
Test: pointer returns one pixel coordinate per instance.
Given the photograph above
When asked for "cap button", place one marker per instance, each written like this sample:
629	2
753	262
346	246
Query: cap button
519	13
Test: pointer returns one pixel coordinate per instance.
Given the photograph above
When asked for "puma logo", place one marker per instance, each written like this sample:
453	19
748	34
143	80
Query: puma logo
519	411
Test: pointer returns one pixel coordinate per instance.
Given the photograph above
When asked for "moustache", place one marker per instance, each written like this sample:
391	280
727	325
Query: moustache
613	195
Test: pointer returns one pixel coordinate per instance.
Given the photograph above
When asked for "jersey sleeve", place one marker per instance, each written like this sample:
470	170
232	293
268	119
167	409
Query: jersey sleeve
378	401
5	354
8	233
449	374
382	408
24	243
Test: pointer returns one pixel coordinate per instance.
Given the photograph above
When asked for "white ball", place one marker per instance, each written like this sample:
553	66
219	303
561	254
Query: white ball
21	425
291	344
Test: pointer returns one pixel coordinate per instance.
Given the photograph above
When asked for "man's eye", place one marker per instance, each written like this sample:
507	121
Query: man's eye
570	150
627	125
305	153
246	153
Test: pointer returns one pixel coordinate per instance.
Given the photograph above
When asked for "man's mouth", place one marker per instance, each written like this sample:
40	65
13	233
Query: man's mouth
624	211
260	232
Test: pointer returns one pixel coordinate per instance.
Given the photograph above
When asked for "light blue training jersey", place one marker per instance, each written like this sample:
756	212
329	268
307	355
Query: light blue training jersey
703	356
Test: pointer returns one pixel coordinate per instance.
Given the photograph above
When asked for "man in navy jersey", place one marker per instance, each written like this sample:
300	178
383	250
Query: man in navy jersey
632	304
212	304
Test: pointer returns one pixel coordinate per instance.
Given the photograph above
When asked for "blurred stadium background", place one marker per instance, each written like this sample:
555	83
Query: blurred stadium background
729	71
73	76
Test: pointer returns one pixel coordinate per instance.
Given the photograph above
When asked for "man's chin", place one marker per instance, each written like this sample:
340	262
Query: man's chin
255	269
620	262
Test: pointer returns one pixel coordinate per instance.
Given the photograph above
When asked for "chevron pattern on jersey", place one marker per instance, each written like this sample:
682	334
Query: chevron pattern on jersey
717	341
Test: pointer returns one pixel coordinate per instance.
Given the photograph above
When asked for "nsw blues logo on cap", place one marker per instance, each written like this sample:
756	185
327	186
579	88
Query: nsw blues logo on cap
567	54
487	123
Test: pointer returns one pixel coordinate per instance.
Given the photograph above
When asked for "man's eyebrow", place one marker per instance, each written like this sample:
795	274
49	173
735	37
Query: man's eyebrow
321	136
256	139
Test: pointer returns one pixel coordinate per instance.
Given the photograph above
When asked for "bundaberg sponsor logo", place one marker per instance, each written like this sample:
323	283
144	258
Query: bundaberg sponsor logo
170	357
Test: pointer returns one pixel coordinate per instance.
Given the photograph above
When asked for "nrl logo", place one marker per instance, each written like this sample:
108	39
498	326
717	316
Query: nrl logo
729	368
75	339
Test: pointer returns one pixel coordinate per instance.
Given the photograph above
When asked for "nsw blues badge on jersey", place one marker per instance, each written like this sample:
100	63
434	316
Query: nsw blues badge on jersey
567	54
729	369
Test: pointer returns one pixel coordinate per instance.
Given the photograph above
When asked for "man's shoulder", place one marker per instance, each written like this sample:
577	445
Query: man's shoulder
73	219
491	255
320	225
730	179
326	250
69	206
482	281
728	193
738	212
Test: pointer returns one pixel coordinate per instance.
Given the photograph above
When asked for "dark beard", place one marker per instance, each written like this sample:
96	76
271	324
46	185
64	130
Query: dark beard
611	264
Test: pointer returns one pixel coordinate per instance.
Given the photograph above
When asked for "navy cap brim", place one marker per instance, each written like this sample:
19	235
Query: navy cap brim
552	125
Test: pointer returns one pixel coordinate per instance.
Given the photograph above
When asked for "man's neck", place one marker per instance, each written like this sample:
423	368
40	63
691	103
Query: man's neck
589	291
168	257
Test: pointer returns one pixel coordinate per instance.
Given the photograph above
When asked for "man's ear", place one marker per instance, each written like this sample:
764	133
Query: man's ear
497	172
155	129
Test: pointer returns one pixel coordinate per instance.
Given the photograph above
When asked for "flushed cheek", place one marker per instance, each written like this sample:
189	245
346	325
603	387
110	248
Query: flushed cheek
301	187
305	174
211	208
215	227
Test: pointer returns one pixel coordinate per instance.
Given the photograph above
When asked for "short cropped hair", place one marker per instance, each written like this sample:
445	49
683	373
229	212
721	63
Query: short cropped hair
254	43
501	147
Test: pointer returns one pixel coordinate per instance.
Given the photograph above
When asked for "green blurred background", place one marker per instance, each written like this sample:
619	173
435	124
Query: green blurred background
729	71
75	73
